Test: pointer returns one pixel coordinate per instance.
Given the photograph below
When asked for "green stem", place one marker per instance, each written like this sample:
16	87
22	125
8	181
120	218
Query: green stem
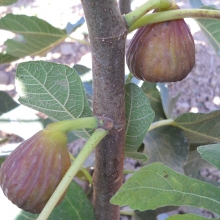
173	15
133	16
85	171
161	123
76	124
93	141
127	212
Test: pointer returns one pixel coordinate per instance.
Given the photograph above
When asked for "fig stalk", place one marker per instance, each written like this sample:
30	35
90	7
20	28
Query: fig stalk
162	52
173	15
80	123
133	16
93	141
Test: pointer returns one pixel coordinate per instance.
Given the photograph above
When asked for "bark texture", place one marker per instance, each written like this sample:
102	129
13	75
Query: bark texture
107	33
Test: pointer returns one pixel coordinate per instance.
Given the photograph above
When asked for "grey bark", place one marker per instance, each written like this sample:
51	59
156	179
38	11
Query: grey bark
107	33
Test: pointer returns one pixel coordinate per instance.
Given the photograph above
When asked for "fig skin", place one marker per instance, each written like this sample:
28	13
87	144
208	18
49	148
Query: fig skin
31	173
162	52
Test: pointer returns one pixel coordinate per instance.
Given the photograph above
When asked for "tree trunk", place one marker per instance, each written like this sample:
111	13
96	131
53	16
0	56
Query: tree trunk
107	33
125	6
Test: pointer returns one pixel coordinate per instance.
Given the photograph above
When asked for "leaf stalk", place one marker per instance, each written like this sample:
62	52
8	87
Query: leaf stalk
173	15
133	16
161	123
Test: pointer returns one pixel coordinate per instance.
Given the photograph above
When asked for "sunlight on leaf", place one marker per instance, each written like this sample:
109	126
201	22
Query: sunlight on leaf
54	89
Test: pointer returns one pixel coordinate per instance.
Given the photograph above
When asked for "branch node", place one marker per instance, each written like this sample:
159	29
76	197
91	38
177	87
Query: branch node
105	123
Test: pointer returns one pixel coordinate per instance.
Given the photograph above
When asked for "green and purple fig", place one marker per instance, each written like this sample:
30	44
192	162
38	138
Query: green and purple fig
162	52
31	173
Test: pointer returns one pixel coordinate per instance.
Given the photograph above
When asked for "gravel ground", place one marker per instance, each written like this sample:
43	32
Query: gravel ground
199	90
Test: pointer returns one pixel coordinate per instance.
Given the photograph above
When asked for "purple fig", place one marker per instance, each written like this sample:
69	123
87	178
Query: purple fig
162	52
31	173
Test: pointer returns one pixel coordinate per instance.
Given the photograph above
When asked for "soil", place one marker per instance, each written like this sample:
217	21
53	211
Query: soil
200	90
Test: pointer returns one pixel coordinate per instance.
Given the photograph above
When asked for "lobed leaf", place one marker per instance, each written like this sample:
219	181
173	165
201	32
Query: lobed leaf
54	89
139	116
156	185
200	128
168	145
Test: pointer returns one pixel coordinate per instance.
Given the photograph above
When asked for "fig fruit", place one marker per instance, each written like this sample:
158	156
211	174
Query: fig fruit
162	52
31	173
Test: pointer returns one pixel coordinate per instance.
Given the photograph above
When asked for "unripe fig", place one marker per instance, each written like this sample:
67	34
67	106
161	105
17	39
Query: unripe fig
162	52
31	173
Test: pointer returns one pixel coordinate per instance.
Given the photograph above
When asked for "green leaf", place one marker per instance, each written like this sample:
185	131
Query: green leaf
167	102
195	163
211	29
75	206
53	89
200	128
167	144
7	2
36	36
156	185
139	116
211	153
6	103
7	58
153	96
